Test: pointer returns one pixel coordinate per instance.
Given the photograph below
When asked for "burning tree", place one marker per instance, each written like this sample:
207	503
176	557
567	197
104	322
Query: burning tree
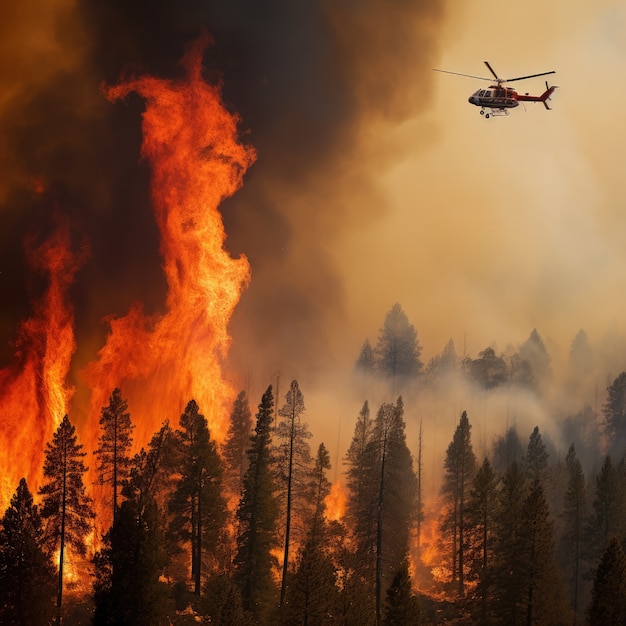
66	508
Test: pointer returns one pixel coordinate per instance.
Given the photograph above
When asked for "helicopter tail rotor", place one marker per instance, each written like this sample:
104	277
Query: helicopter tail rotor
545	96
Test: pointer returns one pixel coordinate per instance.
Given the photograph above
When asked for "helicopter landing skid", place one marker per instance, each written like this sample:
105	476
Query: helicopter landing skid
494	113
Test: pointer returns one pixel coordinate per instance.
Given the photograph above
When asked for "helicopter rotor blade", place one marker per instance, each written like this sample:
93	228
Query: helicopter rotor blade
491	70
459	74
510	80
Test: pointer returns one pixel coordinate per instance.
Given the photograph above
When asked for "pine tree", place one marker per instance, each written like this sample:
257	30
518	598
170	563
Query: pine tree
534	352
614	414
543	590
66	508
509	571
27	574
401	607
358	474
608	597
606	518
128	589
482	513
115	442
397	351
293	457
507	449
237	442
127	586
574	515
257	517
366	361
442	364
312	592
536	457
198	504
395	499
459	469
488	370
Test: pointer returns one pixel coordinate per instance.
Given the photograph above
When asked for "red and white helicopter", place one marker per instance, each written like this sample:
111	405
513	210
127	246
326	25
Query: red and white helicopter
497	100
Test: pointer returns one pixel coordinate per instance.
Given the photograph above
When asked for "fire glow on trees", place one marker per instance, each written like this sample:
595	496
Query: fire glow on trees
160	362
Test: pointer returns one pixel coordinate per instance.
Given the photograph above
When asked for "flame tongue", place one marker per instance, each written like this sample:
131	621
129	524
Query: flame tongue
160	363
34	395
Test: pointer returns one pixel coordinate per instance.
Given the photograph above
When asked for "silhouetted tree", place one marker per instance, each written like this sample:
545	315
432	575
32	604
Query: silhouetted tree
397	352
509	565
507	449
459	470
114	445
533	351
127	585
312	591
128	589
198	504
66	508
614	414
606	519
536	457
488	370
544	595
257	518
293	459
608	596
395	498
366	362
580	355
401	606
481	520
237	442
442	364
574	515
27	574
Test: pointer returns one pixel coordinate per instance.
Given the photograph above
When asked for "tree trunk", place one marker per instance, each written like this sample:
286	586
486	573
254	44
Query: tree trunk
283	585
379	535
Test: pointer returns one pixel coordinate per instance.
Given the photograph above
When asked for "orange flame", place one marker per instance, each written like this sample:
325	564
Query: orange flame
335	502
162	362
34	395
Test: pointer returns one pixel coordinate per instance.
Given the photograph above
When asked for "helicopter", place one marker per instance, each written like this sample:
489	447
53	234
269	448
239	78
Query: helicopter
497	100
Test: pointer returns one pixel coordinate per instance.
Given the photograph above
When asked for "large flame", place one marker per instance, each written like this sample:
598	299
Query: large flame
162	362
34	394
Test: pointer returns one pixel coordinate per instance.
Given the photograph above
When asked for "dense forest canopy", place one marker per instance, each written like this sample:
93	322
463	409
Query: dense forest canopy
245	530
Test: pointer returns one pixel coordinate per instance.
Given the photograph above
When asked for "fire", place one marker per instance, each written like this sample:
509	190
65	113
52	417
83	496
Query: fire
335	502
34	395
161	362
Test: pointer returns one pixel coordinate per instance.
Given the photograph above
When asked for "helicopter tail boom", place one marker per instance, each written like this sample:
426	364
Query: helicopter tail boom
544	97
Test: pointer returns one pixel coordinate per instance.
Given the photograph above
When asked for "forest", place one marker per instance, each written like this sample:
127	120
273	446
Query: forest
252	531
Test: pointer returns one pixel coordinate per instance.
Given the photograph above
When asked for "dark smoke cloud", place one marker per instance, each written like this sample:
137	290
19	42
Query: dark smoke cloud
308	79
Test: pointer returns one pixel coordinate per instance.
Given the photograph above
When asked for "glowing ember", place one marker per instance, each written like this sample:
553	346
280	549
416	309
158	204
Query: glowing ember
34	395
335	502
161	362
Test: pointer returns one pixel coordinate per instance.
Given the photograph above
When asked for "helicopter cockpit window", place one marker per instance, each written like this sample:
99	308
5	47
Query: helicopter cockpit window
487	94
481	93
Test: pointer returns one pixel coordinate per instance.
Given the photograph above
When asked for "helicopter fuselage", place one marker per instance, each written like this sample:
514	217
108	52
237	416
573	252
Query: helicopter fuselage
494	97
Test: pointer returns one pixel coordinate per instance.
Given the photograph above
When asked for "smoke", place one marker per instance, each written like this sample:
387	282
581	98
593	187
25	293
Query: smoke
317	85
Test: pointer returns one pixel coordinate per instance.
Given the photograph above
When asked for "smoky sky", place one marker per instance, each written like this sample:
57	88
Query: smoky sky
305	78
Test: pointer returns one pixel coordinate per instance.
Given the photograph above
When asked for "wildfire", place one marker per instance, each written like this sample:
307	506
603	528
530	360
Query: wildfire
161	362
335	502
34	395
